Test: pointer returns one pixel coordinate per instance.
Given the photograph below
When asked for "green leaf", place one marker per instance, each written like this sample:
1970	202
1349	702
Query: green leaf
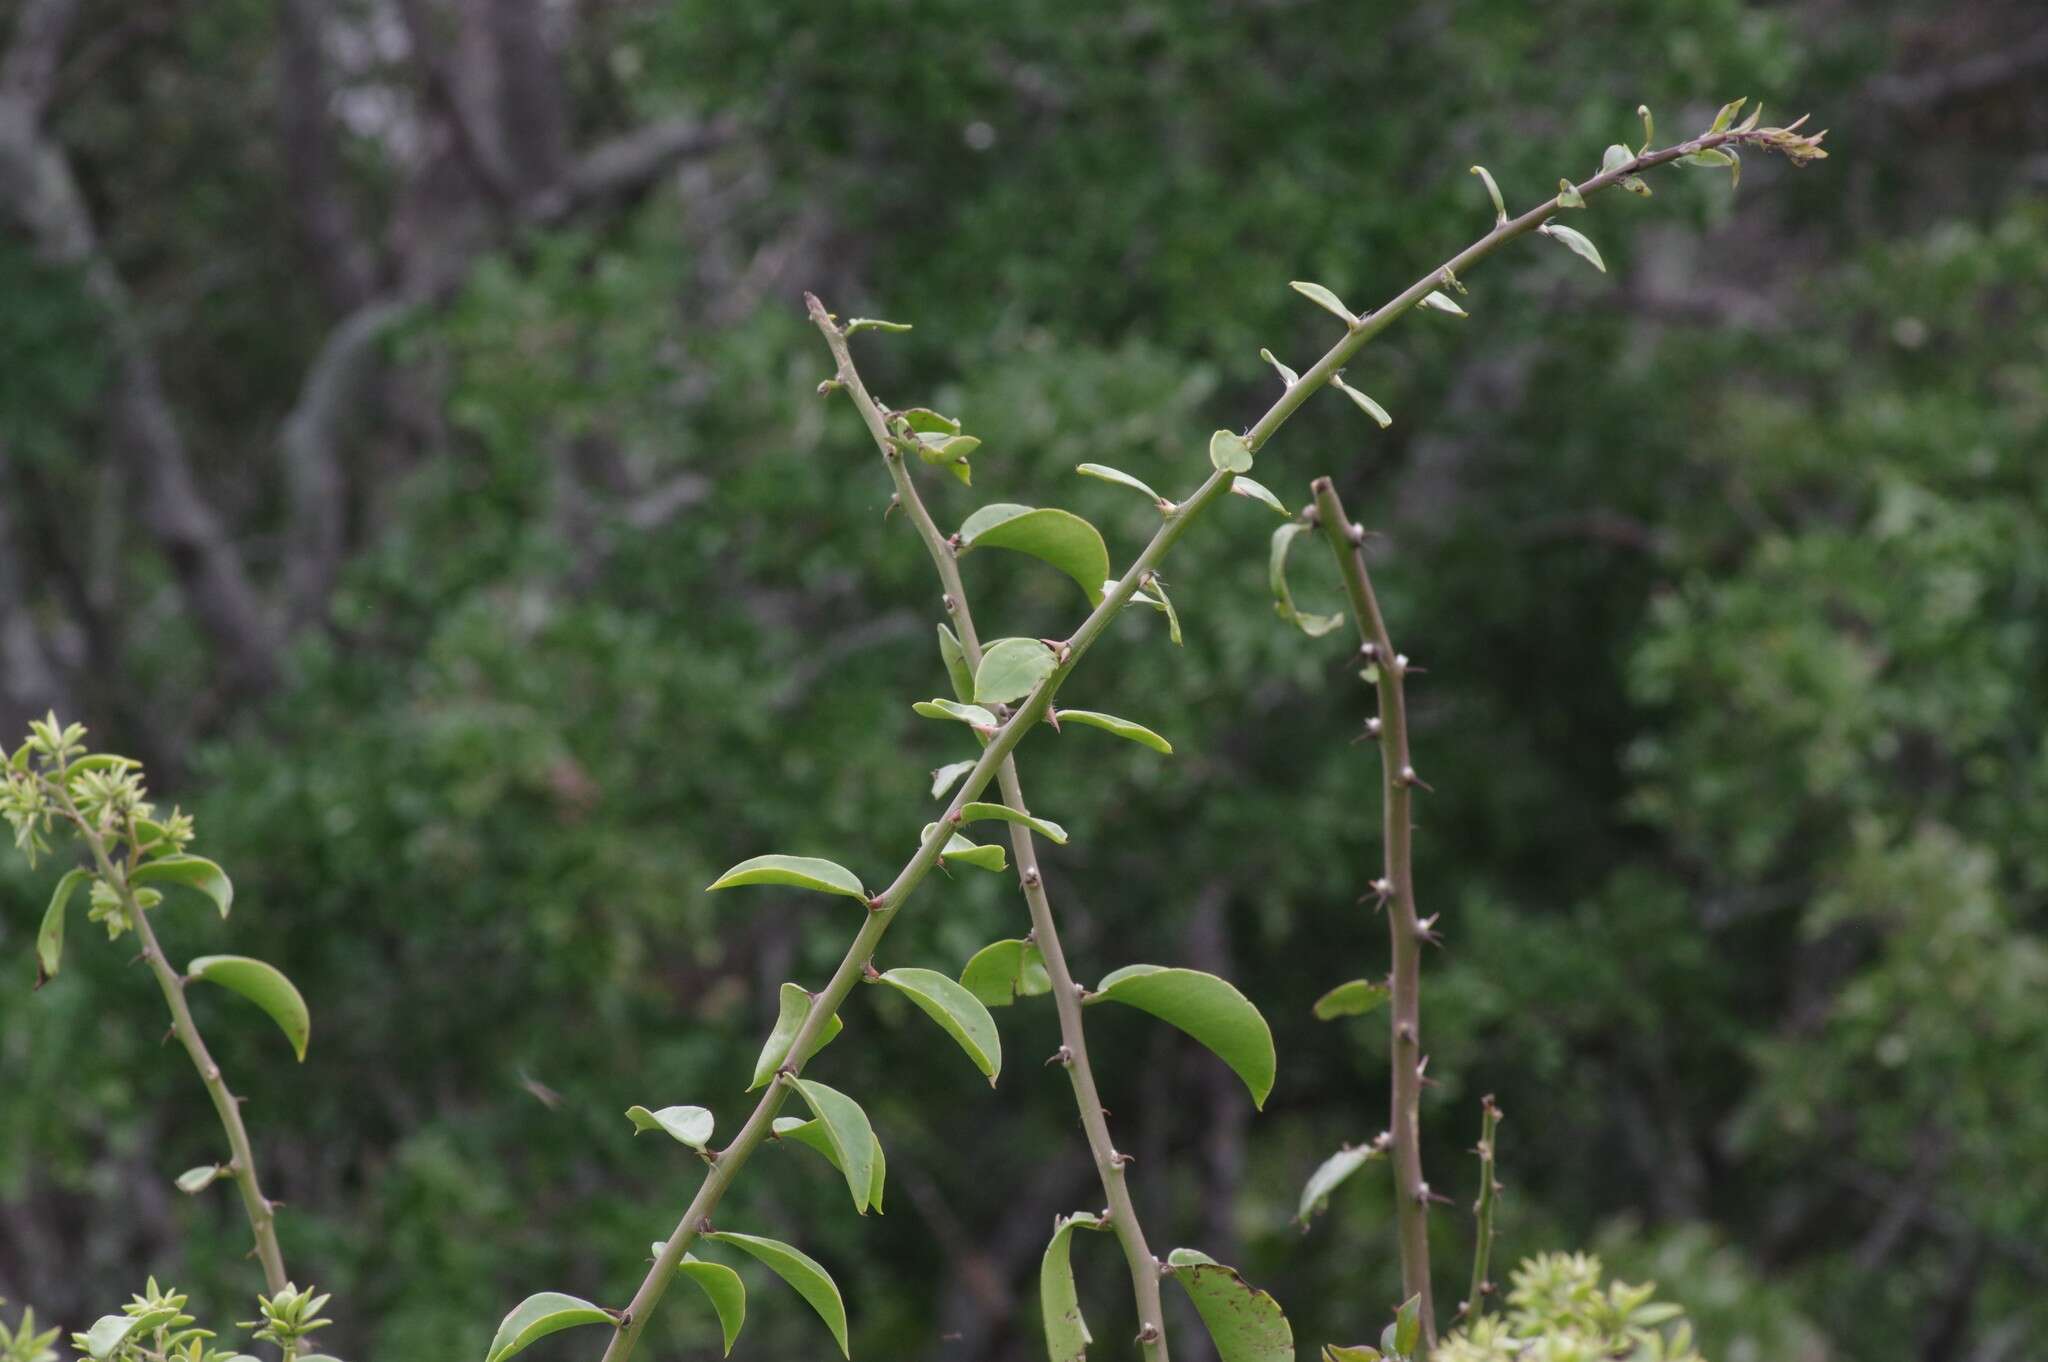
1229	452
686	1125
1060	538
1059	1303
957	1011
1365	404
1500	208
1004	971
1615	157
1011	668
1568	195
943	778
196	1180
1123	728
540	1315
1333	1352
794	1010
1324	299
1157	595
1577	243
1649	125
194	872
801	872
108	1333
937	447
1353	999
974	813
1257	491
50	937
1329	1175
1315	626
955	658
1187	1257
813	1135
1726	118
802	1272
1209	1009
924	421
1245	1324
948	709
1121	479
1408	1325
263	985
727	1292
860	324
1439	301
1287	375
853	1139
959	849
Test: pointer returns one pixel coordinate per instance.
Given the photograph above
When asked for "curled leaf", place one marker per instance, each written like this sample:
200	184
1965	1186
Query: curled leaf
958	1012
800	872
690	1126
1004	971
1059	1302
263	985
794	1008
538	1316
1229	452
1287	375
1123	728
50	936
1245	1323
1315	626
1500	208
950	709
1439	301
1209	1009
727	1293
975	812
194	872
959	851
1324	299
1059	538
1352	999
860	324
1365	404
1330	1175
1576	242
1257	491
1121	479
955	658
812	1134
943	778
801	1271
1011	669
195	1180
1568	195
851	1137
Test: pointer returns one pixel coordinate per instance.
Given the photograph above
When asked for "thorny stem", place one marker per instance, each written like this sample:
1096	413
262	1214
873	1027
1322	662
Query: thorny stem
1482	1212
1032	708
1123	1214
1397	888
261	1210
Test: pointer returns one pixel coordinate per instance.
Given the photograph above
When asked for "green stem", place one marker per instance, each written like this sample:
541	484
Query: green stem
1482	1212
1073	1053
1396	889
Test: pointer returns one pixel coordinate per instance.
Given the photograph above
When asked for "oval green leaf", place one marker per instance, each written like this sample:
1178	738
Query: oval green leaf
801	872
957	1011
1059	1303
1209	1009
263	985
1004	971
1121	479
955	658
1329	1176
1287	375
538	1316
948	709
196	1180
1354	998
1439	301
1123	728
974	813
1365	404
1229	452
959	851
686	1125
794	1009
1257	491
108	1333
943	778
727	1292
194	872
1060	538
1577	242
1408	1325
1315	626
813	1135
802	1272
926	421
1010	669
1324	299
1246	1324
853	1139
50	936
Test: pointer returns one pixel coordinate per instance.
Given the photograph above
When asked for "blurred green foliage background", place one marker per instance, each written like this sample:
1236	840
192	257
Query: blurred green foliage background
1727	567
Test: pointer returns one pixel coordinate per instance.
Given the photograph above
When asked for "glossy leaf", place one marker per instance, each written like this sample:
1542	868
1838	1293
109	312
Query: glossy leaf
853	1139
538	1316
1500	209
1244	1323
1010	669
1330	1175
1121	479
1615	157
1059	1303
1408	1325
1187	1257
1287	375
955	658
945	776
1365	404
1576	242
812	1134
859	324
1315	626
263	985
1229	452
1057	537
959	851
108	1333
196	1180
801	1271
949	709
50	937
1726	117
976	812
957	1011
1324	299
1004	971
194	872
1257	491
728	1294
1438	301
795	1008
800	872
1123	728
1352	999
686	1125
925	421
1207	1008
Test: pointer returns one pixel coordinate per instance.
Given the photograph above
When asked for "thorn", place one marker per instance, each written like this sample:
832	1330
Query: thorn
890	509
1064	1056
704	1226
1081	991
1119	1160
953	543
1052	716
1383	1140
1405	1032
869	972
1030	878
1355	532
1372	726
951	606
1437	1197
1148	1334
955	818
875	904
1383	888
1369	651
1408	777
169	1031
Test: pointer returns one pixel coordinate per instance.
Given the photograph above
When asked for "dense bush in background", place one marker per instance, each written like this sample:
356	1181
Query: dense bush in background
1727	568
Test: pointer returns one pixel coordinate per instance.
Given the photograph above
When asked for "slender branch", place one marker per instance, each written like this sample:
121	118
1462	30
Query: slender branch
1482	1212
1396	890
1073	1054
262	1212
1032	708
